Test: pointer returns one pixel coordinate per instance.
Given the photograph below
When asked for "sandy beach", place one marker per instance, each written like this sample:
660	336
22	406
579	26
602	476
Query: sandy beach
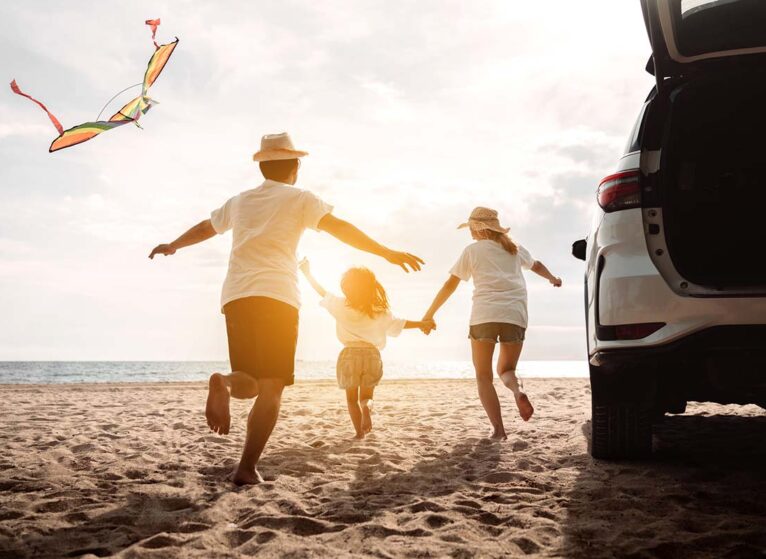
130	470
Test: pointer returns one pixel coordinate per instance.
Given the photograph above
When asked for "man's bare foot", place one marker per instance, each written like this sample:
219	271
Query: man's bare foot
366	406
217	408
498	435
246	477
359	436
525	406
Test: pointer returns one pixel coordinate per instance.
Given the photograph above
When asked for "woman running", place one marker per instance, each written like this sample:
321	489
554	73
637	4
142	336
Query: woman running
499	311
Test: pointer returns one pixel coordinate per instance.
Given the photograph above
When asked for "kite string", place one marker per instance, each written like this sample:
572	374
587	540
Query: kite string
115	97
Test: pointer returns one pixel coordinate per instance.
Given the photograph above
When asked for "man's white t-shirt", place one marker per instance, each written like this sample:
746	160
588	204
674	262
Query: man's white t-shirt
267	222
500	292
352	325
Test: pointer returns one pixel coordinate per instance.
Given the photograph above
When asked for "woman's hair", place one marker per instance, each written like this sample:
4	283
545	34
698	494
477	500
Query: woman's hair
498	237
363	292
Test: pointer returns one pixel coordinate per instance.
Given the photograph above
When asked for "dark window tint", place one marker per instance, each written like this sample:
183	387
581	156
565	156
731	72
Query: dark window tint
703	26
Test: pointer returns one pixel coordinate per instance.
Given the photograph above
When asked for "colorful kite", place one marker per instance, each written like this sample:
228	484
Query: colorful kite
130	112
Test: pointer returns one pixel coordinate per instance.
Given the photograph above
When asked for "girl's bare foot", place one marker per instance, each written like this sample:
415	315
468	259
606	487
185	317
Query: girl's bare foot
217	408
246	477
525	406
366	406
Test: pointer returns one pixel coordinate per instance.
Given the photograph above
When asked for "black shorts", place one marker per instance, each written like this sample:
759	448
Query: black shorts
262	336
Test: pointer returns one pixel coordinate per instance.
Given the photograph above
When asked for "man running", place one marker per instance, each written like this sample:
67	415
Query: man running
260	296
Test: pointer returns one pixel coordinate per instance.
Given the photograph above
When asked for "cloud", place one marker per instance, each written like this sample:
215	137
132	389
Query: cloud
413	113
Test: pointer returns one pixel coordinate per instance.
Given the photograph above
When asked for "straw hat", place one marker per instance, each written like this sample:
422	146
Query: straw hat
276	147
484	218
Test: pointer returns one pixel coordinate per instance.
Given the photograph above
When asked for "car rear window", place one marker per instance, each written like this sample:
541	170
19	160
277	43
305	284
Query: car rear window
703	26
634	140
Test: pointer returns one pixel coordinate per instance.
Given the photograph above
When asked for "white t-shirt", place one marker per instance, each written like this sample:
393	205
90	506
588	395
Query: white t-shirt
352	325
500	292
267	223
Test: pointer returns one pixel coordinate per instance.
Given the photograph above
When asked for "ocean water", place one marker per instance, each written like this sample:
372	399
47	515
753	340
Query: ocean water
54	372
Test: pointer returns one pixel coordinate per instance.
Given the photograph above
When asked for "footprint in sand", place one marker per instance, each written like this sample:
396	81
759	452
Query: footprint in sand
437	521
500	477
265	537
159	541
527	545
298	525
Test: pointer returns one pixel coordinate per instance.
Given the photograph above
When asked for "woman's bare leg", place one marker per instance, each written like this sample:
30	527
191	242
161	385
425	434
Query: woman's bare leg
354	410
482	361
365	401
506	370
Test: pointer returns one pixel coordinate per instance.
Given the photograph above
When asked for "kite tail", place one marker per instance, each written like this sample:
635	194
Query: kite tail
153	23
54	120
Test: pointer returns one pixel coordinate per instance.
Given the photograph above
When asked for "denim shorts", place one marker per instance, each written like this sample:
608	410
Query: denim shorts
497	331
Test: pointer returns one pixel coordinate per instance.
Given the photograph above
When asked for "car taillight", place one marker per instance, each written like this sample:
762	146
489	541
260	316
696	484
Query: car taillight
628	331
620	191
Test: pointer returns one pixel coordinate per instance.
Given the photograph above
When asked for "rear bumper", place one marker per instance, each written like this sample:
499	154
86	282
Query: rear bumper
725	364
625	287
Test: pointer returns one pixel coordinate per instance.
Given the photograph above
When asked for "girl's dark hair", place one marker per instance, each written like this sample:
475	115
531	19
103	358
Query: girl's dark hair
498	237
363	292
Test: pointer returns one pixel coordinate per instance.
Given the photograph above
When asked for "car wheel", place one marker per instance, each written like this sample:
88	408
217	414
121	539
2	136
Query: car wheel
621	424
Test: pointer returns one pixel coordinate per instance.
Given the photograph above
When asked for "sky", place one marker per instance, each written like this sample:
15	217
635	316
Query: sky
412	112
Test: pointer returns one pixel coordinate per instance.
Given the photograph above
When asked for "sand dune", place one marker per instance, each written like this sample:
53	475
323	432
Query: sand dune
130	470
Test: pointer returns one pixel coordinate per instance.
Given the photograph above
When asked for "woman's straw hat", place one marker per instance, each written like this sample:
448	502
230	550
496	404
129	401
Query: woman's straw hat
276	147
484	218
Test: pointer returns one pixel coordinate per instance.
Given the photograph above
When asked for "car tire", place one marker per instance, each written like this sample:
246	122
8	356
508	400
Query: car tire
621	422
620	431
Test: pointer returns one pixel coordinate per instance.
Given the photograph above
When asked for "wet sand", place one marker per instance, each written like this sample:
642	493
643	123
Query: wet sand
131	470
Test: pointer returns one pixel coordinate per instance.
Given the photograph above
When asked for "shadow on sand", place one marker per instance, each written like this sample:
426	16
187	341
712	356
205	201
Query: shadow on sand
702	494
154	519
381	486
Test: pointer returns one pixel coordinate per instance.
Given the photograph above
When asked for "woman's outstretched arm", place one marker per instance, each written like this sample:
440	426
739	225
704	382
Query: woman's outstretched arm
444	293
305	267
540	269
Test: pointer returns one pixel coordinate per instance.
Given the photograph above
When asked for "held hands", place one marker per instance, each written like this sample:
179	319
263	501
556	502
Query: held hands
163	249
427	325
404	259
555	282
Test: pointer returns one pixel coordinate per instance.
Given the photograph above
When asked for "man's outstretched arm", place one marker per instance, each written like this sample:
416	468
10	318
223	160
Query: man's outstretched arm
200	232
349	234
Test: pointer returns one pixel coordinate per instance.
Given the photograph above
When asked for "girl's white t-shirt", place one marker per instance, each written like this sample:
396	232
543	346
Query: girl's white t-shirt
500	292
354	326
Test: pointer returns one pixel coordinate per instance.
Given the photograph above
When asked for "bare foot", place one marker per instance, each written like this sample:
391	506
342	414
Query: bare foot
525	406
246	477
366	406
498	435
359	436
217	408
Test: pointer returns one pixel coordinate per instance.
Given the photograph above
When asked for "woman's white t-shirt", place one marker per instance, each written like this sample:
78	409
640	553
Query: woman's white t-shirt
354	326
500	292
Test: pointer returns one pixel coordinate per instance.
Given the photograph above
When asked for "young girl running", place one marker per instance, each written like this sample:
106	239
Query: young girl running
499	311
363	320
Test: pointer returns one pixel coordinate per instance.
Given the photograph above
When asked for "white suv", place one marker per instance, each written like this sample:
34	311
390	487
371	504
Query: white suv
675	285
